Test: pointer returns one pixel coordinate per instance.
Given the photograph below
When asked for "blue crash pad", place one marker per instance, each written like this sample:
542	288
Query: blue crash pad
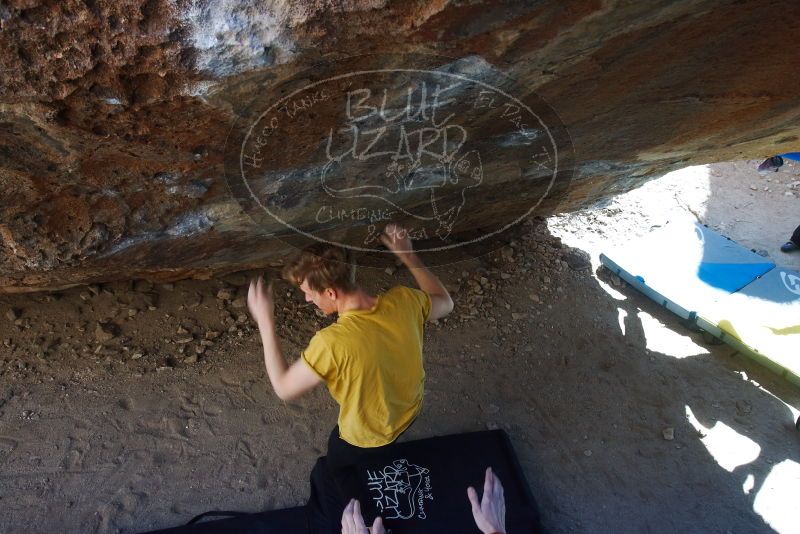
726	289
686	266
763	318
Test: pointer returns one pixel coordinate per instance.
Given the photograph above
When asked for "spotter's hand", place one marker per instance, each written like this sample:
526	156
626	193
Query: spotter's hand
490	512
353	522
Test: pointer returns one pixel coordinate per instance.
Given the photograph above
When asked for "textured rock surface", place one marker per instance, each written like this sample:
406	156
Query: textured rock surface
114	116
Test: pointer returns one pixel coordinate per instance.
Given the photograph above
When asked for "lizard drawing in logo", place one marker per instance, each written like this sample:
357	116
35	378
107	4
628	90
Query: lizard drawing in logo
429	189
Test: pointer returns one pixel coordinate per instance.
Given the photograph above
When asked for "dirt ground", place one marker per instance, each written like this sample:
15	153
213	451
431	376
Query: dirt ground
128	407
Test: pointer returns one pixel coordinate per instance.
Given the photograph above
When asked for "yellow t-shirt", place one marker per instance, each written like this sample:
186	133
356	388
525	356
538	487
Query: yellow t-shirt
371	361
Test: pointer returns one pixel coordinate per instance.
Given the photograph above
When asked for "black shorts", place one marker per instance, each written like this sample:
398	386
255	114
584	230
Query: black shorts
342	455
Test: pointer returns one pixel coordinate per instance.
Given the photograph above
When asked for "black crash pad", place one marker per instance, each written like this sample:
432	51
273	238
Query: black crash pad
418	487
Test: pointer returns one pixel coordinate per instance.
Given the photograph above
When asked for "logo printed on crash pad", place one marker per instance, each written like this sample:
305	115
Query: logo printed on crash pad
399	490
791	282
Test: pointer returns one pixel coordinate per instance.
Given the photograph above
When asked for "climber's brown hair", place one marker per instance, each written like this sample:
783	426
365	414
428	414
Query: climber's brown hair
322	266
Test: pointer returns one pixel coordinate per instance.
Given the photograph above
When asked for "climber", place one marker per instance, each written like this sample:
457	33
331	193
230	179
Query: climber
370	358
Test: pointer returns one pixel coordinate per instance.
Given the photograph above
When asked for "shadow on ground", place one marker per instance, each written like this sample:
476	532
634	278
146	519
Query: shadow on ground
100	442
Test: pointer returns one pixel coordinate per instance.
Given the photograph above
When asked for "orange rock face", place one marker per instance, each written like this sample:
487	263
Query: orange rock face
126	126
